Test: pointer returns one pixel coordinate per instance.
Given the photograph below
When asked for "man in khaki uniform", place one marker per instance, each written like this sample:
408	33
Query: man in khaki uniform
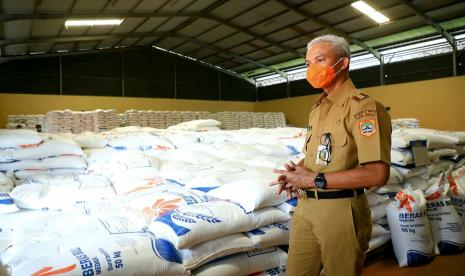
347	149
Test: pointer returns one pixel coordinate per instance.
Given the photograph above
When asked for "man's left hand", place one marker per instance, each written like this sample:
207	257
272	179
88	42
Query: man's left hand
298	178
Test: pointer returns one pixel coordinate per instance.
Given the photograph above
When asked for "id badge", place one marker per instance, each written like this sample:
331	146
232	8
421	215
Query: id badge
322	154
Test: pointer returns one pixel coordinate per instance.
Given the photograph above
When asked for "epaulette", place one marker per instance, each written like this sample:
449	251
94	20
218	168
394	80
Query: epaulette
314	105
360	97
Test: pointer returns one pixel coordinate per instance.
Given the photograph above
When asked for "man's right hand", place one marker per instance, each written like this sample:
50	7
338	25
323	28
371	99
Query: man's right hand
281	181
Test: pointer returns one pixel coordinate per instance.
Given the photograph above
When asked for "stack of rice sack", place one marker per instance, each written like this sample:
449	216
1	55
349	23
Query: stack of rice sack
405	123
130	118
197	125
427	224
173	118
188	116
244	120
441	153
273	120
443	150
24	153
113	221
115	236
380	233
210	230
129	158
226	118
204	232
160	119
144	118
258	120
226	180
24	121
106	119
59	121
202	115
215	167
156	202
68	121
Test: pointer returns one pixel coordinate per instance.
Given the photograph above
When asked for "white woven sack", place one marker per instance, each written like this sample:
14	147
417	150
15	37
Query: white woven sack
188	226
56	192
136	254
18	138
214	249
49	148
457	191
259	193
446	227
410	231
270	235
245	263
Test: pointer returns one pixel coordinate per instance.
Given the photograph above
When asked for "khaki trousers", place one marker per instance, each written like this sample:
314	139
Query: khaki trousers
333	233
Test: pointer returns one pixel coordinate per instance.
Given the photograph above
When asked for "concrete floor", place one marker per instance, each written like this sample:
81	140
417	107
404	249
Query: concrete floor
451	265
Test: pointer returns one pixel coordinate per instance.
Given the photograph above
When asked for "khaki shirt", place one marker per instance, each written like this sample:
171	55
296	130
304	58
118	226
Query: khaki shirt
359	127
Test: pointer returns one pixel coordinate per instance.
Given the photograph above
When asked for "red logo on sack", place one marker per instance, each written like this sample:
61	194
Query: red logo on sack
404	200
453	185
46	271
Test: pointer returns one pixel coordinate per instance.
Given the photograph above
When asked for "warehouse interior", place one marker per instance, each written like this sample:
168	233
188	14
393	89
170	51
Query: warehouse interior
132	96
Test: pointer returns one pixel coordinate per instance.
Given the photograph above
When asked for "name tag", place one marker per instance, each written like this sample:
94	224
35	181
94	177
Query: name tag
322	155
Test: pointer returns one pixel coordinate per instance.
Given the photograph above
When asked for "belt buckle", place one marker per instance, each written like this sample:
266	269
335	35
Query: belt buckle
315	192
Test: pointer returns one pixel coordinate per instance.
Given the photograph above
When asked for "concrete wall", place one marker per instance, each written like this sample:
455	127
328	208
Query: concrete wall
439	103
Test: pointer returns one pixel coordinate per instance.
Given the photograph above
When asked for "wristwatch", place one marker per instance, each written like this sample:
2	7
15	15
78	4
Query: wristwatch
320	181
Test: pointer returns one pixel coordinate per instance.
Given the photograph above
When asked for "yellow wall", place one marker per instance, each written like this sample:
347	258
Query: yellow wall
438	104
41	104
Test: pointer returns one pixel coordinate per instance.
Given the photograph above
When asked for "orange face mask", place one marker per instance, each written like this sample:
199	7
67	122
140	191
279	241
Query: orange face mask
320	76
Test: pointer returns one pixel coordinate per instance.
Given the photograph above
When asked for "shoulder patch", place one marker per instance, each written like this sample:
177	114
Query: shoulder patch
360	97
364	113
367	127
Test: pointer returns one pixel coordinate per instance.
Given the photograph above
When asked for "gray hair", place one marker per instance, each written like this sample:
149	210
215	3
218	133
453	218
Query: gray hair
339	44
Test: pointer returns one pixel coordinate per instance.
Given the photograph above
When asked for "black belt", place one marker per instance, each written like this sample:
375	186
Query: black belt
333	194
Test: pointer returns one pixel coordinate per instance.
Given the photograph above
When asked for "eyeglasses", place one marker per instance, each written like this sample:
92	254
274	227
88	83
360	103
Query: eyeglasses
324	152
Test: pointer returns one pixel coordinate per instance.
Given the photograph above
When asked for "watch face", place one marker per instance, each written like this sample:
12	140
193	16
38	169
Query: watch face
320	182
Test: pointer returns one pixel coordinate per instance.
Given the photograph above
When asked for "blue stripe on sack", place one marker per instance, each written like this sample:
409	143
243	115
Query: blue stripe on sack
293	150
166	251
8	201
293	201
449	247
415	257
172	181
257	232
205	189
166	219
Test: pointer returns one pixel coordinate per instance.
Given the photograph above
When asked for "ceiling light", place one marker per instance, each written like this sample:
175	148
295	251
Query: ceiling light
93	22
370	12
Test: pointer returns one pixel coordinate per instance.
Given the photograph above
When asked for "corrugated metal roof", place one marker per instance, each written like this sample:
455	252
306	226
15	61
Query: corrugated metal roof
235	34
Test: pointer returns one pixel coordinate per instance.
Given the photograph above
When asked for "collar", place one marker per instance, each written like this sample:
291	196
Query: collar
342	92
320	98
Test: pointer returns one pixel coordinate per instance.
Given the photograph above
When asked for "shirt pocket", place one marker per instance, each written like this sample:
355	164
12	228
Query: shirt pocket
338	149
